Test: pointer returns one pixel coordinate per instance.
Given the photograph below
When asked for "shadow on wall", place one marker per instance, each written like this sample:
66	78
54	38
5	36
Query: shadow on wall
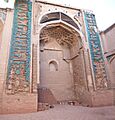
46	96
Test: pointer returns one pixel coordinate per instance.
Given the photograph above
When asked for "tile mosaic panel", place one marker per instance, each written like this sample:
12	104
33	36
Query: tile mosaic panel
95	51
18	76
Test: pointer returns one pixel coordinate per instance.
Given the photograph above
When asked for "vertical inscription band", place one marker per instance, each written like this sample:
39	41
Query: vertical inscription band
18	74
95	51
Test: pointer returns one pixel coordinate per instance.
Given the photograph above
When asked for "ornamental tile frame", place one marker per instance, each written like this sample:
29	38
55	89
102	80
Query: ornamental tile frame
18	75
99	70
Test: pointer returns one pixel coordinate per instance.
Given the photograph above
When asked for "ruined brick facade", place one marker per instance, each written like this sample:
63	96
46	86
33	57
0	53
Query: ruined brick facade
108	41
50	53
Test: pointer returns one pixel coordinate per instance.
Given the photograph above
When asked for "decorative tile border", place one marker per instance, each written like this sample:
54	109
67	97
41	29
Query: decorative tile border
18	76
95	51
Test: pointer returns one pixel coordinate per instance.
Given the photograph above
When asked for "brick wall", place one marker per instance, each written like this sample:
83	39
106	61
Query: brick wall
102	98
19	103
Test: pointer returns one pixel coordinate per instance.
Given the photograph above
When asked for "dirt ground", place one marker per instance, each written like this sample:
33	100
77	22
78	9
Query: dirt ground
67	112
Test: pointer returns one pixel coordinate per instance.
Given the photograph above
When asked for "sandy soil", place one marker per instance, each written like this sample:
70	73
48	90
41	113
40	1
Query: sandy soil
67	112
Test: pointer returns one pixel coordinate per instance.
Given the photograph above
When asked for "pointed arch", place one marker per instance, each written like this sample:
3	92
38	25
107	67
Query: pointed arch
53	66
112	58
55	16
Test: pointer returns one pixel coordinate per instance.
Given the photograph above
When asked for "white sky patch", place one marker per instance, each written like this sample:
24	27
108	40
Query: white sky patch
103	9
4	4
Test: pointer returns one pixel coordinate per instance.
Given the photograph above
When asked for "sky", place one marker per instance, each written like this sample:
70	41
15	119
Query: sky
3	4
104	10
